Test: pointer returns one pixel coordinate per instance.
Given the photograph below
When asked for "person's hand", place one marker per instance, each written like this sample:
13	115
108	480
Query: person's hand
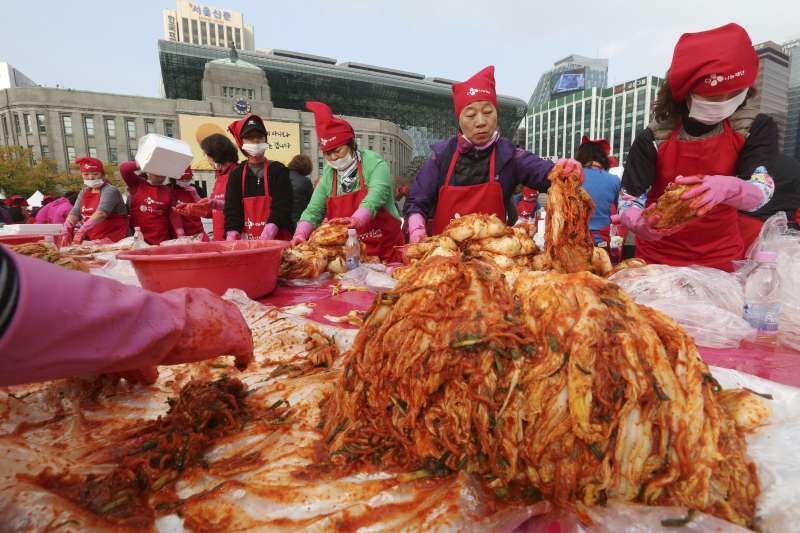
67	229
197	209
232	236
302	232
710	191
416	235
570	166
179	233
347	221
78	238
297	239
633	219
268	233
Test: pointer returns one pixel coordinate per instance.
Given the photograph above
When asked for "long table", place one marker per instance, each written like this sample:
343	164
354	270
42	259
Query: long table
764	360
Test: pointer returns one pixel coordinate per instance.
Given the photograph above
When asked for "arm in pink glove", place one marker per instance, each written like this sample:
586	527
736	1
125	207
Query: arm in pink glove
745	195
269	232
232	236
359	219
68	227
416	228
302	232
68	323
88	224
570	166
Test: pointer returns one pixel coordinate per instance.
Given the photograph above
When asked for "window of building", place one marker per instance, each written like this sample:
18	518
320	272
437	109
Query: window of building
251	93
371	141
92	151
131	125
229	34
185	24
88	123
220	35
238	33
28	124
307	139
16	124
5	127
66	121
169	130
149	126
195	39
45	151
203	33
41	123
70	154
212	34
131	154
112	155
111	128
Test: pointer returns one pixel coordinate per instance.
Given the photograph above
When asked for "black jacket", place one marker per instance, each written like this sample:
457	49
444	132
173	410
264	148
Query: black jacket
280	190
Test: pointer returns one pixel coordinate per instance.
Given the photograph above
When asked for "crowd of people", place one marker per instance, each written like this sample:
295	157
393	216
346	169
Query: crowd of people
705	132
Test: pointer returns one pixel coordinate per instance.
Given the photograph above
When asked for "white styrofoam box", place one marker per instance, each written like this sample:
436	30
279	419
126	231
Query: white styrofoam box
163	156
30	229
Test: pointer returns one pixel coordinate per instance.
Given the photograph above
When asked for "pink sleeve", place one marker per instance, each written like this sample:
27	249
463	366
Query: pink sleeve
42	215
99	325
128	172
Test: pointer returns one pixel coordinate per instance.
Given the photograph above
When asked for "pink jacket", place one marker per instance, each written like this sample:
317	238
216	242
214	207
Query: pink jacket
55	212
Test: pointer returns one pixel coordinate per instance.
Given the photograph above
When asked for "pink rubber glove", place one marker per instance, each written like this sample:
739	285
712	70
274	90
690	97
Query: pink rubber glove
715	190
570	166
116	329
88	224
302	232
67	229
416	228
232	236
269	232
632	219
180	233
197	209
215	203
359	219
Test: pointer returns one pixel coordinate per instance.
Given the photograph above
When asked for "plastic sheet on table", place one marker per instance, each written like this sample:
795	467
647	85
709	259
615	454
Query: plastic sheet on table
320	281
118	270
707	302
370	276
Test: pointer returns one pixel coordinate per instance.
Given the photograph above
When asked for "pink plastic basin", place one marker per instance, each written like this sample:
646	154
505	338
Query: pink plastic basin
20	239
218	266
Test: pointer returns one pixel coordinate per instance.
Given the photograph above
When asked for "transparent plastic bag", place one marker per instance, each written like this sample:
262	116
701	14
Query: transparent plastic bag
183	240
372	276
789	276
118	270
707	302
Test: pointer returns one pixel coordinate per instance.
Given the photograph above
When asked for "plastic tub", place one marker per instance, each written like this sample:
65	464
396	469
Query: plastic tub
218	266
20	239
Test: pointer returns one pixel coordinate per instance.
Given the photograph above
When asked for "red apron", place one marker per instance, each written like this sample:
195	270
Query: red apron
218	193
150	205
191	225
467	199
114	227
749	229
383	235
258	208
714	239
526	208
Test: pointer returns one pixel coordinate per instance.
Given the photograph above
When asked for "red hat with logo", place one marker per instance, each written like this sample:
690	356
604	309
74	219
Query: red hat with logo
244	125
713	62
600	142
478	88
89	164
527	192
332	132
187	174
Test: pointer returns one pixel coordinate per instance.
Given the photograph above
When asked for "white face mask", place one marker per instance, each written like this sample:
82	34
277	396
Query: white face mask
710	113
184	184
93	184
343	163
254	150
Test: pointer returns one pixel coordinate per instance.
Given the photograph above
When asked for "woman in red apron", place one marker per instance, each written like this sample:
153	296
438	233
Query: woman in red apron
356	188
475	172
186	194
223	157
703	131
151	204
258	197
99	208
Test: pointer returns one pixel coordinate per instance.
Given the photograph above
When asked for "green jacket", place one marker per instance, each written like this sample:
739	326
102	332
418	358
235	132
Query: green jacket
377	178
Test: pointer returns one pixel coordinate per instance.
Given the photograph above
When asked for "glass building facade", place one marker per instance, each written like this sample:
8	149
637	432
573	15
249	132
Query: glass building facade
555	128
791	140
421	106
594	71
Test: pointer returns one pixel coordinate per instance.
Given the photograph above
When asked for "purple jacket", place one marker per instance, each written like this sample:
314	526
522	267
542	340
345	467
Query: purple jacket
514	166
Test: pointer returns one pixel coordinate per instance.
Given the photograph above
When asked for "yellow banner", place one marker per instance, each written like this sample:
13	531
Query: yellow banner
283	141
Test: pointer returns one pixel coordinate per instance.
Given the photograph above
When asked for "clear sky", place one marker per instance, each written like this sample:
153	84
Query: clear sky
110	45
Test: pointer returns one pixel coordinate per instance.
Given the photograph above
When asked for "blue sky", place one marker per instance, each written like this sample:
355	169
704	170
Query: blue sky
110	46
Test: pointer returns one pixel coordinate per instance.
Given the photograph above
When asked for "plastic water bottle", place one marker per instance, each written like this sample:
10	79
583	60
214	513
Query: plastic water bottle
352	250
762	303
138	238
615	243
541	222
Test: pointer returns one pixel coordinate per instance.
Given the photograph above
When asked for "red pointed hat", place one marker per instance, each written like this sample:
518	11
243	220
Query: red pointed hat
89	164
713	62
240	127
602	142
479	87
332	132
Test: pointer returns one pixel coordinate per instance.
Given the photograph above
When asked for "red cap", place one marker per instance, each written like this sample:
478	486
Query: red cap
612	161
527	191
601	142
244	125
332	132
478	88
187	174
713	62
89	164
